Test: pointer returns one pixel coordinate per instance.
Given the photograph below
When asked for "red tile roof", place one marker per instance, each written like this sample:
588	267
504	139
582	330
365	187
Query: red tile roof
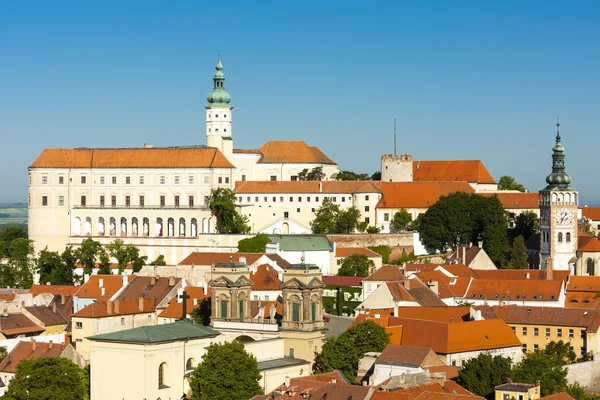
53	289
25	350
386	273
103	309
266	277
302	386
519	274
418	194
409	355
447	287
459	270
451	170
92	289
308	187
558	396
343	280
398	292
516	201
18	324
589	319
175	308
175	157
592	213
149	288
441	314
292	152
336	391
588	244
530	290
208	258
348	251
584	284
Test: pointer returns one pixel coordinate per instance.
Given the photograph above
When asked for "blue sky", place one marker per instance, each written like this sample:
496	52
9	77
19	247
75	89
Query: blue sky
465	80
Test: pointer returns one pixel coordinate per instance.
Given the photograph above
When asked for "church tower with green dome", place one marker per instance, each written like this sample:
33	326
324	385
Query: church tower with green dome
559	203
218	115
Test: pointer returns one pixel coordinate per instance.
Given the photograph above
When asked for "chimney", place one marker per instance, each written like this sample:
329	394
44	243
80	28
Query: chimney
141	303
527	275
54	307
464	255
116	304
50	344
171	281
125	280
320	187
334	380
287	381
537	382
34	344
509	380
100	282
470	244
152	281
253	268
280	275
434	286
102	291
395	310
195	301
480	244
148	146
550	270
109	307
63	299
205	287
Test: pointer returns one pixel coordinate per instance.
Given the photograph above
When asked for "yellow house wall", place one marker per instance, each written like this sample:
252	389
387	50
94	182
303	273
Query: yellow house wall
533	394
542	340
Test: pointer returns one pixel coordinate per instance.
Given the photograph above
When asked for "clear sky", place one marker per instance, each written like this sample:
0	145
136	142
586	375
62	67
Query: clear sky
465	80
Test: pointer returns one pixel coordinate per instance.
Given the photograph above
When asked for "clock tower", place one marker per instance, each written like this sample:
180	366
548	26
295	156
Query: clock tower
558	215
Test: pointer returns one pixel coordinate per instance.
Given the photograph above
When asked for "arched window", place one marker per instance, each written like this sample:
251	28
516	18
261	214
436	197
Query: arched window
190	364
568	237
590	267
162	371
560	237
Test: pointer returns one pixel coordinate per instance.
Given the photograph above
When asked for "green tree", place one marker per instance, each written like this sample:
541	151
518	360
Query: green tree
362	226
119	251
104	262
562	351
315	174
527	224
137	261
201	314
256	244
347	220
3	353
518	254
160	261
351	176
22	262
87	254
47	378
222	206
373	230
401	221
326	217
7	235
344	352
384	251
507	182
544	367
376	176
47	263
480	375
227	372
355	265
461	218
87	381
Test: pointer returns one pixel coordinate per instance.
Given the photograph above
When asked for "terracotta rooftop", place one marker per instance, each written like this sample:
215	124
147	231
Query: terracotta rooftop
300	387
470	252
148	287
458	270
308	187
25	350
386	273
588	244
207	258
409	355
504	289
343	280
348	251
266	277
398	292
336	391
592	213
172	157
53	289
584	284
449	390
441	314
589	319
418	194
558	396
18	324
92	289
516	201
451	170
292	152
448	287
258	306
47	315
103	309
175	307
519	274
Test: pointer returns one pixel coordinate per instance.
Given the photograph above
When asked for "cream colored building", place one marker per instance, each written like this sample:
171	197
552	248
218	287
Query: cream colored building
518	391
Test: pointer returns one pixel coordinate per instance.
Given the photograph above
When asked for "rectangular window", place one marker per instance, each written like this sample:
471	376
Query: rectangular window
367	197
524	347
78	325
128	180
243	178
241	310
291	199
101	201
162	201
83	179
113	201
226	179
297	210
286	214
206	179
122	321
299	199
536	332
163	179
177	179
206	200
571	334
559	332
386	216
114	180
308	199
317	199
312	209
127	201
256	199
176	201
220	179
142	201
265	199
335	199
274	199
367	220
366	208
191	179
524	331
223	308
547	332
281	199
343	199
102	180
61	200
313	311
536	347
141	179
44	200
44	179
295	312
514	329
273	178
61	180
191	201
294	178
83	201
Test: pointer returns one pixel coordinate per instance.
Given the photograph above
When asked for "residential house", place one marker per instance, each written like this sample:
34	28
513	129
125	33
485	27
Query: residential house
386	273
548	293
342	294
301	387
588	256
582	291
517	391
537	326
396	294
472	256
451	289
48	317
266	281
310	249
18	326
98	287
342	252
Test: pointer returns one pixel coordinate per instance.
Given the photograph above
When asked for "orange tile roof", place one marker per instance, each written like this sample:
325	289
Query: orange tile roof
386	273
292	152
92	289
175	309
103	309
530	290
451	372
408	355
592	213
257	305
168	157
579	283
516	201
348	251
589	244
447	287
589	319
335	280
459	270
418	194
301	386
265	278
25	350
309	187
451	170
558	396
53	289
149	288
519	274
398	292
336	391
18	324
441	314
207	258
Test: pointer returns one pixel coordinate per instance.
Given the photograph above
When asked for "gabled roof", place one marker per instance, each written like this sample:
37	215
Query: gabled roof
173	332
418	194
584	284
318	188
292	152
558	396
589	244
470	253
386	273
336	391
103	309
520	274
92	289
18	324
25	350
148	287
53	289
47	315
408	355
398	292
301	242
175	308
451	170
503	289
516	201
208	258
448	287
459	270
302	386
592	213
580	317
348	251
441	314
348	281
266	277
168	157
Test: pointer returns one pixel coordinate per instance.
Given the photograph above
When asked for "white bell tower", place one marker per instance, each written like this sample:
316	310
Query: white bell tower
218	115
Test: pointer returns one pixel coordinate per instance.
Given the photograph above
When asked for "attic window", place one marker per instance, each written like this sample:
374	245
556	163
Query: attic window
518	296
541	297
503	296
480	295
496	296
524	296
534	296
552	297
473	295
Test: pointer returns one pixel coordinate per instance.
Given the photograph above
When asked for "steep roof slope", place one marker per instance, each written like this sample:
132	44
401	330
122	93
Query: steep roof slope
451	170
418	194
292	152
